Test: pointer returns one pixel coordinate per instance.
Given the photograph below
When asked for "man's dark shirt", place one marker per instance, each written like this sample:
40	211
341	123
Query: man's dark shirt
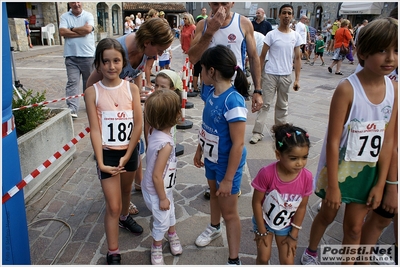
264	27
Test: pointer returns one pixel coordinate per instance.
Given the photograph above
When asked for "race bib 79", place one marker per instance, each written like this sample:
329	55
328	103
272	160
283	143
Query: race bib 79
365	141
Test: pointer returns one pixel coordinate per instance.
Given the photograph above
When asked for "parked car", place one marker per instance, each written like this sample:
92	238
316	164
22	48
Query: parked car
273	21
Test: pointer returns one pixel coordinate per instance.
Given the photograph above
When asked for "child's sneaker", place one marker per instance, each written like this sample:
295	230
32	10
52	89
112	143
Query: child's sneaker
156	255
113	259
207	194
131	225
234	262
175	245
323	64
307	259
207	236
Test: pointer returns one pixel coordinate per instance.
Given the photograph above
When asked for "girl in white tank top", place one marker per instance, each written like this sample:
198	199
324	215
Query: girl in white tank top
115	117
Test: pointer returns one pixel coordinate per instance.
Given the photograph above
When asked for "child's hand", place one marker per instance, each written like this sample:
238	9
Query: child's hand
333	197
113	170
225	188
292	246
374	197
389	200
261	240
164	204
197	159
123	160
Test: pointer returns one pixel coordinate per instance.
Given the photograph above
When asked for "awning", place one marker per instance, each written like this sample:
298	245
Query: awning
358	8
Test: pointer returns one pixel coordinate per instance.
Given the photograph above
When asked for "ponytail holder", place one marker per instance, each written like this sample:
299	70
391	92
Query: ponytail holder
236	67
298	132
307	135
288	135
280	144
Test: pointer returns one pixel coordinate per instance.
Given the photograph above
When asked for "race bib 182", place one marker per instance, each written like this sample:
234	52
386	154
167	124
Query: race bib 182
116	127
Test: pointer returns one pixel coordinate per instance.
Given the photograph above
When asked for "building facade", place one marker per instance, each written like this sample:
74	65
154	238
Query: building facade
109	16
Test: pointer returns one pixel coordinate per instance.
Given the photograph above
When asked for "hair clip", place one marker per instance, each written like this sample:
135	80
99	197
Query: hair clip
307	135
236	67
298	132
288	135
280	144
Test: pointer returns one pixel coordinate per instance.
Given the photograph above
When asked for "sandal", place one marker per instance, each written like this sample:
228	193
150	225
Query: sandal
339	73
138	187
133	209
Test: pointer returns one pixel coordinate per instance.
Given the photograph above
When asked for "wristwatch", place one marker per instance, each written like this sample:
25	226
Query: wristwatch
257	92
71	28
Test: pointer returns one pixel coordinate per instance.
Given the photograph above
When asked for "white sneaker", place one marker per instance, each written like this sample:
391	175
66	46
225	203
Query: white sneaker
255	138
74	115
207	236
175	245
307	259
157	256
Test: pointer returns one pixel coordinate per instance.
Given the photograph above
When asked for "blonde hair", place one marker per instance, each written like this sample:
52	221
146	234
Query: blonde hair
162	109
345	22
155	30
189	17
127	18
152	13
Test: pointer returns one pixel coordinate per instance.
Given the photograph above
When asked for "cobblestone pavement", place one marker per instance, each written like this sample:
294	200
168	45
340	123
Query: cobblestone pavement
71	206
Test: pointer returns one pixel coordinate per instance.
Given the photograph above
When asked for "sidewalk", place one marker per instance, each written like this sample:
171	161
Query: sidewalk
72	205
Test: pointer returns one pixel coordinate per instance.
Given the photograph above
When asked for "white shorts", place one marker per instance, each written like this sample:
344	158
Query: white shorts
162	220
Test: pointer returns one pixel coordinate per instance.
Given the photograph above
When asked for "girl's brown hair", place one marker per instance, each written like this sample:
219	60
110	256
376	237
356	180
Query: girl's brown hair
375	36
104	44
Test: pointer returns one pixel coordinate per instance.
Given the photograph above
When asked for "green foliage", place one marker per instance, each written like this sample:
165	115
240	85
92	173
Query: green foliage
28	119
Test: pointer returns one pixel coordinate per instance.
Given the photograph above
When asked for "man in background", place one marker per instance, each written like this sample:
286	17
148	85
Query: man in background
260	24
77	26
203	14
301	28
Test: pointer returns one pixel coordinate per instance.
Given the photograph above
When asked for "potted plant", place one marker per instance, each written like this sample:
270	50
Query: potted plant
41	132
101	34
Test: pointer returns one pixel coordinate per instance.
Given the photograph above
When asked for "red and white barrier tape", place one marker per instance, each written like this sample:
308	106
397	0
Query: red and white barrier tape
48	102
8	127
44	166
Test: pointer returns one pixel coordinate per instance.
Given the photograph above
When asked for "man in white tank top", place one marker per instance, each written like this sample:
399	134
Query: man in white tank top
230	29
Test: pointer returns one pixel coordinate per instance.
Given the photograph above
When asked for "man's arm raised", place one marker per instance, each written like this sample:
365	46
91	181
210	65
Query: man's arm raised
202	40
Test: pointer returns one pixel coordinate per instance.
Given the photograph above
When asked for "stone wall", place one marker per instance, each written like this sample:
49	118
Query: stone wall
19	40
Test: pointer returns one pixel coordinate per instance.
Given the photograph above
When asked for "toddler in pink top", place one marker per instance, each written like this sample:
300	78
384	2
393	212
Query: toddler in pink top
280	197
